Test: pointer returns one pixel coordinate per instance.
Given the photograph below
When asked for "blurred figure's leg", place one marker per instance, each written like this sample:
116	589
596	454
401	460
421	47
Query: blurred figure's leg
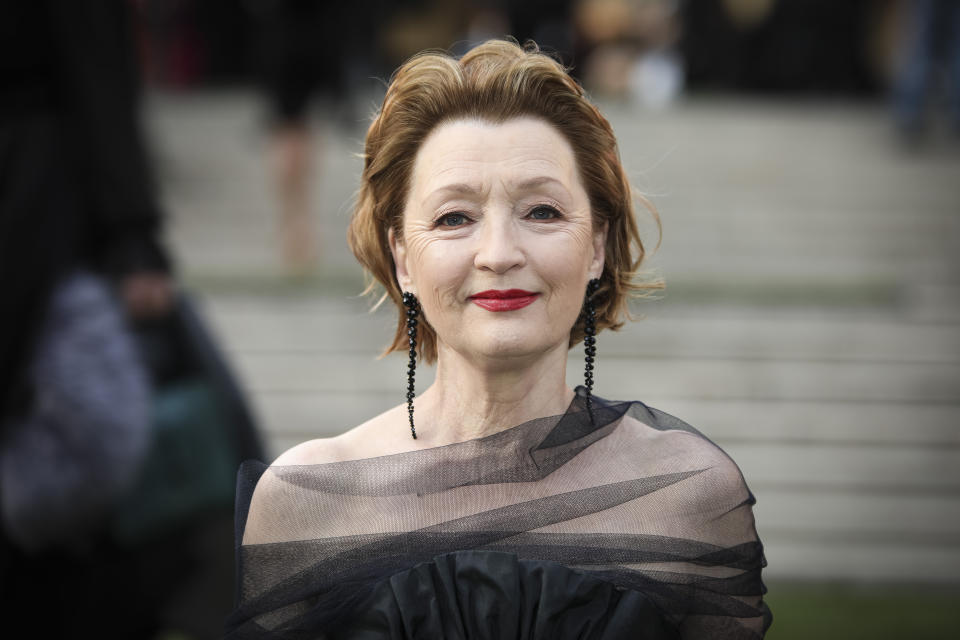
290	68
291	153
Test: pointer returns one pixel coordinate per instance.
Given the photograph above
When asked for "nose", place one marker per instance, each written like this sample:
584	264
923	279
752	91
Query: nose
499	248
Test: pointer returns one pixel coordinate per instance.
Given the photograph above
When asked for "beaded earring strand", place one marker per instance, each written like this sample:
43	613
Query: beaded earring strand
589	341
413	311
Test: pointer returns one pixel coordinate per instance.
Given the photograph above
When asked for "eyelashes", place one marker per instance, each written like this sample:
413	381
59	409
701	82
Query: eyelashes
543	212
457	219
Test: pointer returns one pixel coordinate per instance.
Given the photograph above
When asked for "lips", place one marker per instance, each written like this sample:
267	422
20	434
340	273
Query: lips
503	299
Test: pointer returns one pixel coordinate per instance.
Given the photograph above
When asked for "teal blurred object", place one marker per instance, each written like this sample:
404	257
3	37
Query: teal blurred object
190	467
201	430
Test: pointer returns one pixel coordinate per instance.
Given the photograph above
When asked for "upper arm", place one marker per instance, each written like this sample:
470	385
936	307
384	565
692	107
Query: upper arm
722	505
721	514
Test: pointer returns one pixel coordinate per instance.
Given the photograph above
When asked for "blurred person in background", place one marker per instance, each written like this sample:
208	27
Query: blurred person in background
76	186
929	66
629	49
302	49
76	194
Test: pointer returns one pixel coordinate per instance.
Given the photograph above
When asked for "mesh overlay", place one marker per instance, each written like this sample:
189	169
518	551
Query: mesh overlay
626	524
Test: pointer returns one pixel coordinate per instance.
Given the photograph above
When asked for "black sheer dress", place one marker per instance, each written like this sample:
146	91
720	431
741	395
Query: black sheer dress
628	525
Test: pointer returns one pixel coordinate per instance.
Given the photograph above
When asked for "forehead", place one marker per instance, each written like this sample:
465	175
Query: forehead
479	151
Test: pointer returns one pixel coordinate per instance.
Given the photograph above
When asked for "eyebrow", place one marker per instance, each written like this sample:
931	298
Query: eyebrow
458	187
470	189
533	183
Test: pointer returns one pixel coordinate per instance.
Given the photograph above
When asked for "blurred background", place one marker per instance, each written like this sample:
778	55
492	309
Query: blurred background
804	157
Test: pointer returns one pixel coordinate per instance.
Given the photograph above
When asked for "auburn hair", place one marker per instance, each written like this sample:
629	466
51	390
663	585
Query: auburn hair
495	81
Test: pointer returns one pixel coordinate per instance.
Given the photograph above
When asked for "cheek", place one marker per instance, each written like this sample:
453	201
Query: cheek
567	295
437	274
565	271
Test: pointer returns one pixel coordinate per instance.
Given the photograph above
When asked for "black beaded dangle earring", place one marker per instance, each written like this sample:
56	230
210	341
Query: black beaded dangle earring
589	341
413	312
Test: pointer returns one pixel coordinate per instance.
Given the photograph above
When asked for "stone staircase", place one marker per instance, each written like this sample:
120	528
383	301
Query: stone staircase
811	324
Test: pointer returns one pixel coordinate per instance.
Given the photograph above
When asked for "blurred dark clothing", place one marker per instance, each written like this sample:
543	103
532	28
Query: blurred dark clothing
930	52
813	46
299	53
546	22
110	591
74	181
303	49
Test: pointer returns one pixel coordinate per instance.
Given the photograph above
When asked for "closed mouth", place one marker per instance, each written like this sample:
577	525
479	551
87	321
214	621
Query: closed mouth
503	294
503	299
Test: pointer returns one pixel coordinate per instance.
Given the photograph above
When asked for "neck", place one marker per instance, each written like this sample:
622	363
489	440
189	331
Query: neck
471	399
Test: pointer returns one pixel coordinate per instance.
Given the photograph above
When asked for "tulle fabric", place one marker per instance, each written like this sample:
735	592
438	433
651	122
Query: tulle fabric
615	522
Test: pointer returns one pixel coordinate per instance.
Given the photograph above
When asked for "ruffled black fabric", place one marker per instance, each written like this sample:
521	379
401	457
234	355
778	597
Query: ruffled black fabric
621	522
490	595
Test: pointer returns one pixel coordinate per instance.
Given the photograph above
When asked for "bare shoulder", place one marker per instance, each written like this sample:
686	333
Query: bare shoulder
275	497
381	435
721	484
316	451
719	477
371	438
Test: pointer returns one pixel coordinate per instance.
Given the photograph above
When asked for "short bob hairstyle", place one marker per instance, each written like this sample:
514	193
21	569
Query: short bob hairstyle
496	81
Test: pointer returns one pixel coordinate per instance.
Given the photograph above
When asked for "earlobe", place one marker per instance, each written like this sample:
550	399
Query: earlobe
399	251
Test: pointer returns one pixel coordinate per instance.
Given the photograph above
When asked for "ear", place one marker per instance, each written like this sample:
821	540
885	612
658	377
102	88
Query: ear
599	251
399	251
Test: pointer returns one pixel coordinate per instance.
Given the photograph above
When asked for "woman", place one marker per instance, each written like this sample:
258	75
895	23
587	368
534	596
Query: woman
499	503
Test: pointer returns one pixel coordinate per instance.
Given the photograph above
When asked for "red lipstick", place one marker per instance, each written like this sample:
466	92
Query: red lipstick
503	299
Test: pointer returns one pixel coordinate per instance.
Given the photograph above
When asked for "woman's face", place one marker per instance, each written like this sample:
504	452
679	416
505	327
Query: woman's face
498	242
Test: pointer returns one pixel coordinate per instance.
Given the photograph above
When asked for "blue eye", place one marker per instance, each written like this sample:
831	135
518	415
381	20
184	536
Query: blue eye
543	213
452	220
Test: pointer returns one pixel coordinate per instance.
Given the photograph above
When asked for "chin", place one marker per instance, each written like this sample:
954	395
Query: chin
511	346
